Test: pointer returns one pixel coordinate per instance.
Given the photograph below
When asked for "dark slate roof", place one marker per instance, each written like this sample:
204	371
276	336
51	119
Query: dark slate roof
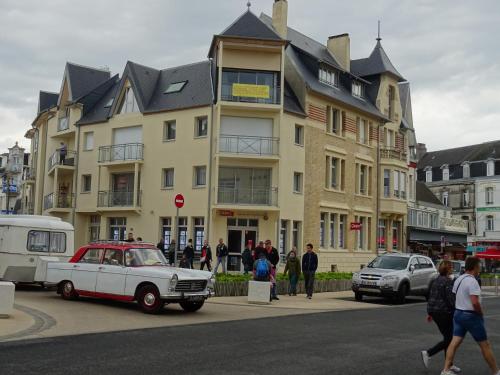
292	104
424	194
306	44
377	63
47	100
250	26
90	100
84	79
407	115
144	80
340	93
456	156
98	112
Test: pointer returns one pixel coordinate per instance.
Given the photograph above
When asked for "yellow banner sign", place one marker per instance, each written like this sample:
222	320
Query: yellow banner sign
251	91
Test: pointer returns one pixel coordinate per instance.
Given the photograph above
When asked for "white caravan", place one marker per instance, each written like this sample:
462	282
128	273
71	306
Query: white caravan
27	243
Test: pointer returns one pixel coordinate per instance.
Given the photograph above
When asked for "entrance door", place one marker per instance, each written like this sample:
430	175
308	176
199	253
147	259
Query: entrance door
234	244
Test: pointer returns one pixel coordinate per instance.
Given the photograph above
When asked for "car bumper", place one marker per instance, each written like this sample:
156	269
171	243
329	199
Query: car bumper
374	290
183	296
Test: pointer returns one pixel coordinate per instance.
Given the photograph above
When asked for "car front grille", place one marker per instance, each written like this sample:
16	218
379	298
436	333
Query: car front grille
370	277
190	286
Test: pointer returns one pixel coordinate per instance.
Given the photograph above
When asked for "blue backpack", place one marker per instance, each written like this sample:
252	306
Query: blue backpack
262	270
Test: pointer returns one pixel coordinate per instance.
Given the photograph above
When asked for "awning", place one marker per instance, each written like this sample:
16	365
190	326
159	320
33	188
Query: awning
489	254
434	236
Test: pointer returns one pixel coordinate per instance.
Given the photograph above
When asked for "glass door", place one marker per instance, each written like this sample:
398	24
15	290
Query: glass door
234	244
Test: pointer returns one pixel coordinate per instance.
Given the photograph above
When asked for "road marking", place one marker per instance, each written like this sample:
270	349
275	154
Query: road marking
42	322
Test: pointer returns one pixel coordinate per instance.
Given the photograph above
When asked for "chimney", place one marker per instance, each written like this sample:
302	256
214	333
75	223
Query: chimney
280	17
340	47
421	150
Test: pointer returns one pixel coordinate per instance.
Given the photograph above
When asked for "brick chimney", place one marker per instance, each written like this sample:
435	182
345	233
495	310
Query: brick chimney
280	17
421	150
340	47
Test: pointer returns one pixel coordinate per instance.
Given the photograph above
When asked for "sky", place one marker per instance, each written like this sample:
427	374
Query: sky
447	49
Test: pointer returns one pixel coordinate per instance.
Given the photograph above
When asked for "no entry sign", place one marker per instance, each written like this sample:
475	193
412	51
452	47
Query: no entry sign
179	201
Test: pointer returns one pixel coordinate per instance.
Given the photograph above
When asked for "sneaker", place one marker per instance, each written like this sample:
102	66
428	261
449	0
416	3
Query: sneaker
310	297
448	372
276	298
294	294
458	370
425	358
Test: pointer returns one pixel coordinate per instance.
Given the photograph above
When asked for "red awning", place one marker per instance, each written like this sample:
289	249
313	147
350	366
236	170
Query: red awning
489	254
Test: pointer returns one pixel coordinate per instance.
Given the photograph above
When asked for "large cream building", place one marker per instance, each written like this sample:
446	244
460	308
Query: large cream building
275	136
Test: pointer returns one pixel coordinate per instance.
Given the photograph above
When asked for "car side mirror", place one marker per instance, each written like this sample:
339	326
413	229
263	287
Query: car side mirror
412	268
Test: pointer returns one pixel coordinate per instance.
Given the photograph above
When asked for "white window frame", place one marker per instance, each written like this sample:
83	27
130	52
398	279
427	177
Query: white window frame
299	132
490	168
489	195
298	182
167	127
357	89
428	175
164	184
446	174
86	137
466	170
84	188
490	223
445	198
200	124
200	176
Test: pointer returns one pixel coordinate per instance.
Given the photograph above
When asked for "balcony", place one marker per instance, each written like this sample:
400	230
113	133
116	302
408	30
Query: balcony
268	95
392	153
248	145
247	196
58	201
56	160
63	124
130	152
119	200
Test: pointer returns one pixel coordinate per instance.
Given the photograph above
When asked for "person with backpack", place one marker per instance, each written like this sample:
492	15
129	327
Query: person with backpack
247	259
469	317
292	267
309	267
221	251
189	253
440	309
273	257
262	272
206	256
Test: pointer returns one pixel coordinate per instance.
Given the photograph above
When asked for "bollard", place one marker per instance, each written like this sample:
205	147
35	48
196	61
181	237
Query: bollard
496	285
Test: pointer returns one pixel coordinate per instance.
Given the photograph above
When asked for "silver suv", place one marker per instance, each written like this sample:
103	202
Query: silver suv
394	275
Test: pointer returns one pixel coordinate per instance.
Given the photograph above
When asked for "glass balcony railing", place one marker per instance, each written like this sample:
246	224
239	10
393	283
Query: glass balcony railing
247	196
124	152
118	199
250	145
68	159
58	200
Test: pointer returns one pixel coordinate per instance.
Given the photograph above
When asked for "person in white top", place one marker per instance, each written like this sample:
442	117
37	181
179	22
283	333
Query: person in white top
468	317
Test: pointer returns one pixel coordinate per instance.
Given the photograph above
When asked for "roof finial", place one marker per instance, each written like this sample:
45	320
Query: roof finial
249	4
378	34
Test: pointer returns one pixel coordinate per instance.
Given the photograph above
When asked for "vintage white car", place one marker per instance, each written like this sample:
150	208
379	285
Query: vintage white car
130	272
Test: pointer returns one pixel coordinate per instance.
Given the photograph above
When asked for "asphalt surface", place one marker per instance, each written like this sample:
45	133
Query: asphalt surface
381	341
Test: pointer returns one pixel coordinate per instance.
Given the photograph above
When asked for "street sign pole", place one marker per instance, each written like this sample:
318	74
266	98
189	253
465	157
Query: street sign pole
176	235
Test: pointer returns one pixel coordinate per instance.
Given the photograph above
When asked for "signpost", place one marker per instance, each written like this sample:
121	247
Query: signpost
179	203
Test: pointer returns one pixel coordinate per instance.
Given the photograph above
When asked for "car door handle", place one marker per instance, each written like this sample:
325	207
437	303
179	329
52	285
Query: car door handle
100	268
76	266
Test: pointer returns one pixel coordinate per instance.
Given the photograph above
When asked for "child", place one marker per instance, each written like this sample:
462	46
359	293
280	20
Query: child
293	268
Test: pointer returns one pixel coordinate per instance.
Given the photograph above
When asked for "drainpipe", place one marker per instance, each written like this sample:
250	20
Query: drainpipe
75	177
210	156
378	188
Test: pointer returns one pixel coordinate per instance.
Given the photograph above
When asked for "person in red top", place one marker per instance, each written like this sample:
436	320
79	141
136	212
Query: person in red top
206	256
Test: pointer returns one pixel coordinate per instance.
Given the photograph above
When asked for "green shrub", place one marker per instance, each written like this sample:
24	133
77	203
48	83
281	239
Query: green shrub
230	278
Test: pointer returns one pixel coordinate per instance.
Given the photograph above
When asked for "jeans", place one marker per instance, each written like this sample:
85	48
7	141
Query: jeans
469	321
444	321
293	279
207	263
309	281
223	261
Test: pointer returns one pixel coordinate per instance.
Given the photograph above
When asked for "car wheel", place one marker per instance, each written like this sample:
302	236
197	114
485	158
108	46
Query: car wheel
402	293
68	290
149	299
189	306
358	296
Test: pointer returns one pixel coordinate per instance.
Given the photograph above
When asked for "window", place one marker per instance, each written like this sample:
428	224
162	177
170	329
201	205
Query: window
387	183
334	173
322	224
402	185
362	235
299	135
434	221
88	141
166	230
175	87
412	217
182	232
490	168
200	176
265	82
428	175
446	173
342	231
395	235
86	183
297	182
296	233
113	257
169	131
95	228
357	89
168	178
489	195
117	228
466	170
382	237
362	131
333	231
411	190
465	198
490	223
420	218
328	77
199	233
283	248
392	99
129	103
333	121
363	179
92	256
395	179
46	242
444	198
201	129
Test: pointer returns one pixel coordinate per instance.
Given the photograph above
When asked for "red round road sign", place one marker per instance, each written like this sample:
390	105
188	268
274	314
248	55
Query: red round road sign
179	201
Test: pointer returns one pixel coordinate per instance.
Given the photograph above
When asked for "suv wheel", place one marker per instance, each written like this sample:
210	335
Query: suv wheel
402	293
149	299
358	296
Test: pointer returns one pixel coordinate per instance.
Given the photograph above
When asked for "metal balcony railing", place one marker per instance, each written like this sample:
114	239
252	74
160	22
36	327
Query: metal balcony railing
250	145
247	196
392	153
63	124
57	159
58	200
118	199
274	95
124	152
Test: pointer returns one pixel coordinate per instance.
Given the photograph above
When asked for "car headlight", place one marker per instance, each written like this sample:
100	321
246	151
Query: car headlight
390	278
211	282
173	282
355	275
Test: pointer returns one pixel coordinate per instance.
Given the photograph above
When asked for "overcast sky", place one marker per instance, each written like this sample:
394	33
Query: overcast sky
448	50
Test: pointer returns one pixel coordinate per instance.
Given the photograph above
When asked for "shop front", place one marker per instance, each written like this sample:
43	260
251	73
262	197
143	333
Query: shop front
437	243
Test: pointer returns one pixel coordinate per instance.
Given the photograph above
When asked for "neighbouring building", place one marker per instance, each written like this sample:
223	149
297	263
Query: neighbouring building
13	167
276	136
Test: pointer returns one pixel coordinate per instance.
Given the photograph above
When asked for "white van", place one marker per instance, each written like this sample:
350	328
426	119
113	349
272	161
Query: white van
28	242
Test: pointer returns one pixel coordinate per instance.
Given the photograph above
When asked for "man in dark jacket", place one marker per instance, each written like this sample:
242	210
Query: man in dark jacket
273	257
309	267
171	253
247	258
259	250
221	251
189	253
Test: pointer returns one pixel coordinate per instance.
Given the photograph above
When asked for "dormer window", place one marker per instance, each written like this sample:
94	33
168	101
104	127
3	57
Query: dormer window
357	89
490	167
428	174
129	103
175	87
109	103
466	170
328	77
446	172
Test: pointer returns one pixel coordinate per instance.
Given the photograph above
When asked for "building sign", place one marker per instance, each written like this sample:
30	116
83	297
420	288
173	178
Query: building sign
226	213
251	91
9	189
476	249
356	226
488	209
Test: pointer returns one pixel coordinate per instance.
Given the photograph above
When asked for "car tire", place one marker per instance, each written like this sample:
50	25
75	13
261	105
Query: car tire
358	296
402	293
68	290
149	299
190	306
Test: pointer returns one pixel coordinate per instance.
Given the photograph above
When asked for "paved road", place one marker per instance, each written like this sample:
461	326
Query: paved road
381	341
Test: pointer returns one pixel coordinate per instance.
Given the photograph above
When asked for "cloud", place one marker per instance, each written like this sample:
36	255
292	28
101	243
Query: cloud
446	49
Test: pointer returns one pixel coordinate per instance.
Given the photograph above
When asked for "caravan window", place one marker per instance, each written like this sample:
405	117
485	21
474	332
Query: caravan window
44	242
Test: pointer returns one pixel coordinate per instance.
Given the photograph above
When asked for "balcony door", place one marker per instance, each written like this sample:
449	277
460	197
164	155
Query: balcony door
247	135
125	141
245	185
122	191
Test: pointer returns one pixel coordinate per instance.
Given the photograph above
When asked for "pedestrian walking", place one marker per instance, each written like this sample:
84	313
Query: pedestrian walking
63	151
206	256
309	267
440	309
292	267
189	253
469	317
221	252
260	248
171	253
273	257
247	258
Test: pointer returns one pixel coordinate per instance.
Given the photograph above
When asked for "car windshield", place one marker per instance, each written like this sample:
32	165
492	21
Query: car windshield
144	257
389	263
